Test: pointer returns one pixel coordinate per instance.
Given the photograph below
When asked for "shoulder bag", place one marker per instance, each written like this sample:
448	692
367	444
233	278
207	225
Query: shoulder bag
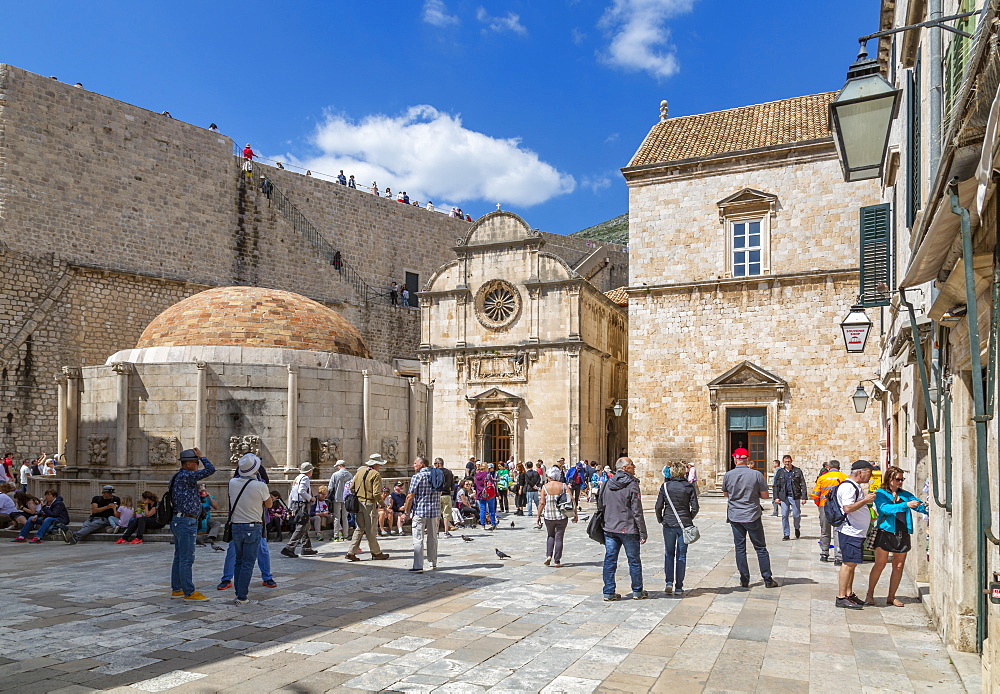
691	534
227	531
351	503
595	528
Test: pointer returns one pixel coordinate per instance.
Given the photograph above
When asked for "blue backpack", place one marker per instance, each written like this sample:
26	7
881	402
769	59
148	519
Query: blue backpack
437	480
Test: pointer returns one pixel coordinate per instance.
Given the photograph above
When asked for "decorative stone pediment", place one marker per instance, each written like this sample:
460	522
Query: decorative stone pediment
747	202
494	396
507	366
747	376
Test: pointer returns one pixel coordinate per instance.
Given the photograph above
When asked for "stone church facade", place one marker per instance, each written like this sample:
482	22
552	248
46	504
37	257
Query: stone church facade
525	355
743	261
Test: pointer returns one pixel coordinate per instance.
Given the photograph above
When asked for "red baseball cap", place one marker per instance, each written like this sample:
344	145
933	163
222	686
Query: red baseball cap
741	453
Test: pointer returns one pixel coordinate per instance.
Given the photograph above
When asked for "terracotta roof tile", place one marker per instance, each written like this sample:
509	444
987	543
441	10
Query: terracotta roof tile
788	121
619	296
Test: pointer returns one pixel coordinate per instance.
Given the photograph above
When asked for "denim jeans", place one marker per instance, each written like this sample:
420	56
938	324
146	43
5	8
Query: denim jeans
756	532
184	530
246	539
674	554
613	542
91	525
532	502
44	526
263	561
488	507
793	505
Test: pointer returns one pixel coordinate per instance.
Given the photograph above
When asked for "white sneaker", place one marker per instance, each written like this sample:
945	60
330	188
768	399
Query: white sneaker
242	603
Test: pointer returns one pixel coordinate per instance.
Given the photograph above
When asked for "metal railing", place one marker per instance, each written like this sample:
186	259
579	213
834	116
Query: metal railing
252	174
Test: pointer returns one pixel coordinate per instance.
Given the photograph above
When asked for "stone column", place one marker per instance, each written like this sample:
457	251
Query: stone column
365	401
292	419
515	436
123	369
200	394
412	421
61	416
72	412
429	421
573	365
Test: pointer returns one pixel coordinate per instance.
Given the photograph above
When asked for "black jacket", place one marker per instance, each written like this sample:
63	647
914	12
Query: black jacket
685	498
619	498
789	483
57	509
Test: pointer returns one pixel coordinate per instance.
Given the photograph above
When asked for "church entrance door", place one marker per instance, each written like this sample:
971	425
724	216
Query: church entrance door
496	442
747	428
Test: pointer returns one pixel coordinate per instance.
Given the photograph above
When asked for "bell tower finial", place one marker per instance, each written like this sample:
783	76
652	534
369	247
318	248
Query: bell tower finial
664	114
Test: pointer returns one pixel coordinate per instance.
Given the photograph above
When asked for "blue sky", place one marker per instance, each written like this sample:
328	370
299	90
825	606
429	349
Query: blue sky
533	104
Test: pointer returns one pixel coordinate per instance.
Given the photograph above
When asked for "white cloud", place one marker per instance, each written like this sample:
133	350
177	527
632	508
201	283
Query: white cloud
640	38
578	36
596	183
512	22
436	13
432	155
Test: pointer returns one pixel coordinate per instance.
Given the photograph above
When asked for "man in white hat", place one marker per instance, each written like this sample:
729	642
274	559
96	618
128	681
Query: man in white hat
248	498
367	485
299	499
338	480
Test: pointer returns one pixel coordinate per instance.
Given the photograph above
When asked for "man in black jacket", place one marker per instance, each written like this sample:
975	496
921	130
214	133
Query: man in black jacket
790	490
52	512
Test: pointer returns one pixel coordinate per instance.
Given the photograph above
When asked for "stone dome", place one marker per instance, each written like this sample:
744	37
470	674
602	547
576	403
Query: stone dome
253	317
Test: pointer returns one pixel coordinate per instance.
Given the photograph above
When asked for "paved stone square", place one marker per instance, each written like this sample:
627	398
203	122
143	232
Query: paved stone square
98	617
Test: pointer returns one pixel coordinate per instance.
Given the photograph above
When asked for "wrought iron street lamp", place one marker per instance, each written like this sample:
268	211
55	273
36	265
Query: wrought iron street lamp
856	327
861	117
860	399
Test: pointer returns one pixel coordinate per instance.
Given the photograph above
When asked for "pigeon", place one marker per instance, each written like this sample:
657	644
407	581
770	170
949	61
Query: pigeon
512	524
501	554
583	518
467	539
217	548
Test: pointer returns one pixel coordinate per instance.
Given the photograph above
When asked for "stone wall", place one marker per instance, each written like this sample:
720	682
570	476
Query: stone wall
110	213
682	339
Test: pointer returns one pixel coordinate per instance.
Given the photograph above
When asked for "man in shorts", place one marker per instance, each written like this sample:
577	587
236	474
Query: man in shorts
446	504
854	503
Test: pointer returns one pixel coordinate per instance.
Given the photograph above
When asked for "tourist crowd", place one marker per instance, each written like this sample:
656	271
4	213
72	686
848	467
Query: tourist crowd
358	507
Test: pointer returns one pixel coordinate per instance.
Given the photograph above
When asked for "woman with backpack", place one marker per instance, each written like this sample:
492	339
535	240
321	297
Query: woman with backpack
554	508
676	507
486	495
894	506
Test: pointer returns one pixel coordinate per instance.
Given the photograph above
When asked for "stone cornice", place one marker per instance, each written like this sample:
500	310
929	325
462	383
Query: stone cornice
735	281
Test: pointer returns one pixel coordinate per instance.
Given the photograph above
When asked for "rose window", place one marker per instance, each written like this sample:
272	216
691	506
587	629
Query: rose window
497	304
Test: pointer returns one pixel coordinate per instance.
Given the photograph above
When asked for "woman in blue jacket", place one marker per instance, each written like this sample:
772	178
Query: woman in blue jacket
893	506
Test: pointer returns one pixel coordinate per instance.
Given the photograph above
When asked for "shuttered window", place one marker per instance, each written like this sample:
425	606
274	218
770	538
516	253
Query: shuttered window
875	260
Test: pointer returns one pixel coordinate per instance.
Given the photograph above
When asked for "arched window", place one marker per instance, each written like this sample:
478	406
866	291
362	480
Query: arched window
496	442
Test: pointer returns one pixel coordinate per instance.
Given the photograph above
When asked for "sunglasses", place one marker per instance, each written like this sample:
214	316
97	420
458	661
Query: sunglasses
898	479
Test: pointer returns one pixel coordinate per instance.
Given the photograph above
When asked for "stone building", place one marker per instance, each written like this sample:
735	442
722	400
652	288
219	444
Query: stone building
743	260
110	214
525	354
942	163
231	370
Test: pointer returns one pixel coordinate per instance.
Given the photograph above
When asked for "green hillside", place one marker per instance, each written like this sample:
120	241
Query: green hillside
612	231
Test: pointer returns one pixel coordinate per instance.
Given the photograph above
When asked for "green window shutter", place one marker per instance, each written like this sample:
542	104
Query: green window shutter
875	260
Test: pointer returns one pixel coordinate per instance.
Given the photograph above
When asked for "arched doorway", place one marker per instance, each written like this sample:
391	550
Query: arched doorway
496	442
